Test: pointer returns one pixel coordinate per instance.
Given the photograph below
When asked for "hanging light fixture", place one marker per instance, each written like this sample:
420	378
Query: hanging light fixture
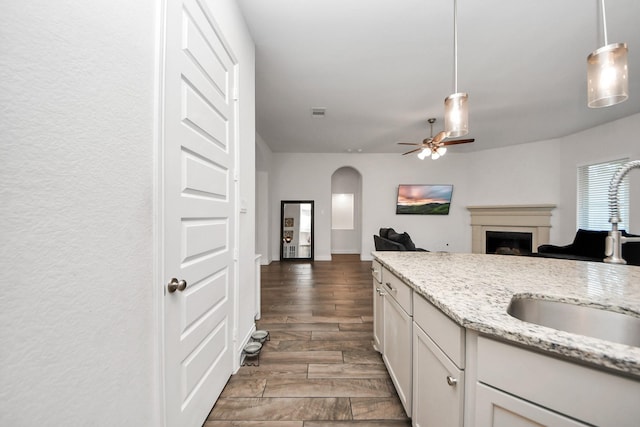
456	109
607	75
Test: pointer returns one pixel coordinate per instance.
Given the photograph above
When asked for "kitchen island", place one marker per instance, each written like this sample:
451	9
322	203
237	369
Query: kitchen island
473	291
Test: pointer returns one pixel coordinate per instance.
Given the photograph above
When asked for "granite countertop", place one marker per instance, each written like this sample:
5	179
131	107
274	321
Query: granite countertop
474	290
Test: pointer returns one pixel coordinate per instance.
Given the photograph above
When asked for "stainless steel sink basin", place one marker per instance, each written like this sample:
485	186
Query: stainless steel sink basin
578	319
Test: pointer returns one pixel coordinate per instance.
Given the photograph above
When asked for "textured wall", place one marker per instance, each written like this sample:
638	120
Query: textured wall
76	312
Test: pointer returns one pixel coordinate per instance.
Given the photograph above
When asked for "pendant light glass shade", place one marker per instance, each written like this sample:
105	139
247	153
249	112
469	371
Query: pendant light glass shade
607	76
456	108
456	115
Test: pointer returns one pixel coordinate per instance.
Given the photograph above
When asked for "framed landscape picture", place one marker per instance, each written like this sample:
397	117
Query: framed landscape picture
424	199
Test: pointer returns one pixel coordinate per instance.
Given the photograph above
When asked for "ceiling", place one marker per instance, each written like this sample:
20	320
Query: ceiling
382	67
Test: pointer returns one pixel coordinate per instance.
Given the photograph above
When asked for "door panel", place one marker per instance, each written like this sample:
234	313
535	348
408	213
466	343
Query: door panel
199	211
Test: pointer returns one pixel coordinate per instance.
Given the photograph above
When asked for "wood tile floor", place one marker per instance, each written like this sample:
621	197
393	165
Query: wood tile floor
319	368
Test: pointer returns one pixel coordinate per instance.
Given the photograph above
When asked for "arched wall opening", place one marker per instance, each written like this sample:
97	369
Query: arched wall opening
346	211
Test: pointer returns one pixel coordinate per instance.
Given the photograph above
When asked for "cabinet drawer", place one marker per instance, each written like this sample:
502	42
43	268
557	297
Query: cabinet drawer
497	409
397	290
376	271
445	332
592	396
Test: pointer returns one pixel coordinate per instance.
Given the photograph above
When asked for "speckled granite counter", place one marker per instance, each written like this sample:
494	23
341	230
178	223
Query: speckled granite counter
475	290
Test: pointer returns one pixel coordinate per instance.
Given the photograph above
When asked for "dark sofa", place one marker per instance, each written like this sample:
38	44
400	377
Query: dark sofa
390	240
588	245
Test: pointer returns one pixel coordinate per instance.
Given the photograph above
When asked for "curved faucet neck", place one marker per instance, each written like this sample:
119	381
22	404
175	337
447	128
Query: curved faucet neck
613	247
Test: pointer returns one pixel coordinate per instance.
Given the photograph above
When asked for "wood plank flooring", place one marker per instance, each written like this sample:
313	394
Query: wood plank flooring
319	368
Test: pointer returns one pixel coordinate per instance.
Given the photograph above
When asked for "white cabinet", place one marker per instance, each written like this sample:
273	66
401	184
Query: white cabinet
438	362
497	409
541	387
438	385
378	313
397	336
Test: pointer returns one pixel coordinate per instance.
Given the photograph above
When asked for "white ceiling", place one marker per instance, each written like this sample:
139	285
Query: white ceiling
382	67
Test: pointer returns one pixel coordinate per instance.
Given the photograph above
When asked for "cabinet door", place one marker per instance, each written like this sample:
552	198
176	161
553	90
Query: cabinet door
378	316
497	409
438	389
397	349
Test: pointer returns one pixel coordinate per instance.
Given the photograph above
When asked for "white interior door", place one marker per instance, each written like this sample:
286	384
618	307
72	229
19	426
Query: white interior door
199	140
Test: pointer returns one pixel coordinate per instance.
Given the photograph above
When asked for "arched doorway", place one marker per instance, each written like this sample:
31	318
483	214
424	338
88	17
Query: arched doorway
346	211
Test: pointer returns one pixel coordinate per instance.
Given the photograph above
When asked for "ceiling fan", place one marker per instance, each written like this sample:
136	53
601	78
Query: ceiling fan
434	146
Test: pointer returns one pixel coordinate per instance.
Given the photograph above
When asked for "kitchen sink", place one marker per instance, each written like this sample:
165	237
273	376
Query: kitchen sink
578	319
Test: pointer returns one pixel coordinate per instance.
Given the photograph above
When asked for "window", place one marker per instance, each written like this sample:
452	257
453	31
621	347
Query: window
593	196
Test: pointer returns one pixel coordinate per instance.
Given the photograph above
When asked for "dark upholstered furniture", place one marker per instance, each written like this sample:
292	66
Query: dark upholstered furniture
390	240
589	245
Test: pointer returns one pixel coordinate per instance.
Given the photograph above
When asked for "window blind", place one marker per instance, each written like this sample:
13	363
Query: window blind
593	196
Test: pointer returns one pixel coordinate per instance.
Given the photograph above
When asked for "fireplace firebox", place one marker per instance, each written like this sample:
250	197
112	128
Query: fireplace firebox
509	243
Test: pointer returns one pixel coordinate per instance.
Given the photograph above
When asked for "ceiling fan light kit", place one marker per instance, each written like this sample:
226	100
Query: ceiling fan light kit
434	146
607	73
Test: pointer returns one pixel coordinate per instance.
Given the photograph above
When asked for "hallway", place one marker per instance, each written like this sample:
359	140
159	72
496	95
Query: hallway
319	367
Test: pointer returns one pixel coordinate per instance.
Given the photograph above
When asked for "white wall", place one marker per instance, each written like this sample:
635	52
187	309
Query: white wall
77	321
539	172
76	315
381	174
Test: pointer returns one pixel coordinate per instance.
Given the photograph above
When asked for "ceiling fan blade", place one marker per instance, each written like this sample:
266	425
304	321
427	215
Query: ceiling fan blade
412	151
439	137
457	141
409	143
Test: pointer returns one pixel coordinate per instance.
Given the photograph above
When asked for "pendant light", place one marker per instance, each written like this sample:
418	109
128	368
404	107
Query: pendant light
607	74
456	109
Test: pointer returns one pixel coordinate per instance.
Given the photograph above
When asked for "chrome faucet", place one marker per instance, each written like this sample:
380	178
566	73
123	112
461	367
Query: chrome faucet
615	239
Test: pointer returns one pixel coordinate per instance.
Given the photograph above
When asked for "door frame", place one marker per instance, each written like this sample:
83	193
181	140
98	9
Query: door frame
158	218
313	232
158	286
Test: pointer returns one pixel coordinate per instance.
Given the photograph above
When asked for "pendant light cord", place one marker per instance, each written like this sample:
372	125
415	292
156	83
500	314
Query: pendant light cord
455	46
604	22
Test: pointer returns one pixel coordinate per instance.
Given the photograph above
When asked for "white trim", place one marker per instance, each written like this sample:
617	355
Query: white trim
534	219
158	219
237	206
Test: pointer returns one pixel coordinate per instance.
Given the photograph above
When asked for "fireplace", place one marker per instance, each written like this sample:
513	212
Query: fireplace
512	221
508	243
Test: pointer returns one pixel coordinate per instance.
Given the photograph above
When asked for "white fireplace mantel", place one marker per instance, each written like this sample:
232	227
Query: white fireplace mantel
534	219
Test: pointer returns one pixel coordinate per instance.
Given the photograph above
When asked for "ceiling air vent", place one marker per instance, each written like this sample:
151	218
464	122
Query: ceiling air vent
318	112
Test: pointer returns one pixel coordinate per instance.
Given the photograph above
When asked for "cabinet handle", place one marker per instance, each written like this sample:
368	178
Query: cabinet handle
390	287
380	292
451	381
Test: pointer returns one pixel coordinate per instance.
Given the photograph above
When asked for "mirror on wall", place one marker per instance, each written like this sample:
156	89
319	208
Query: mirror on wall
296	229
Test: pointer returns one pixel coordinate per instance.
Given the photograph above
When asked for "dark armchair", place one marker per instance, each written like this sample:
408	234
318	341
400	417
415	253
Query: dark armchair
390	240
589	245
